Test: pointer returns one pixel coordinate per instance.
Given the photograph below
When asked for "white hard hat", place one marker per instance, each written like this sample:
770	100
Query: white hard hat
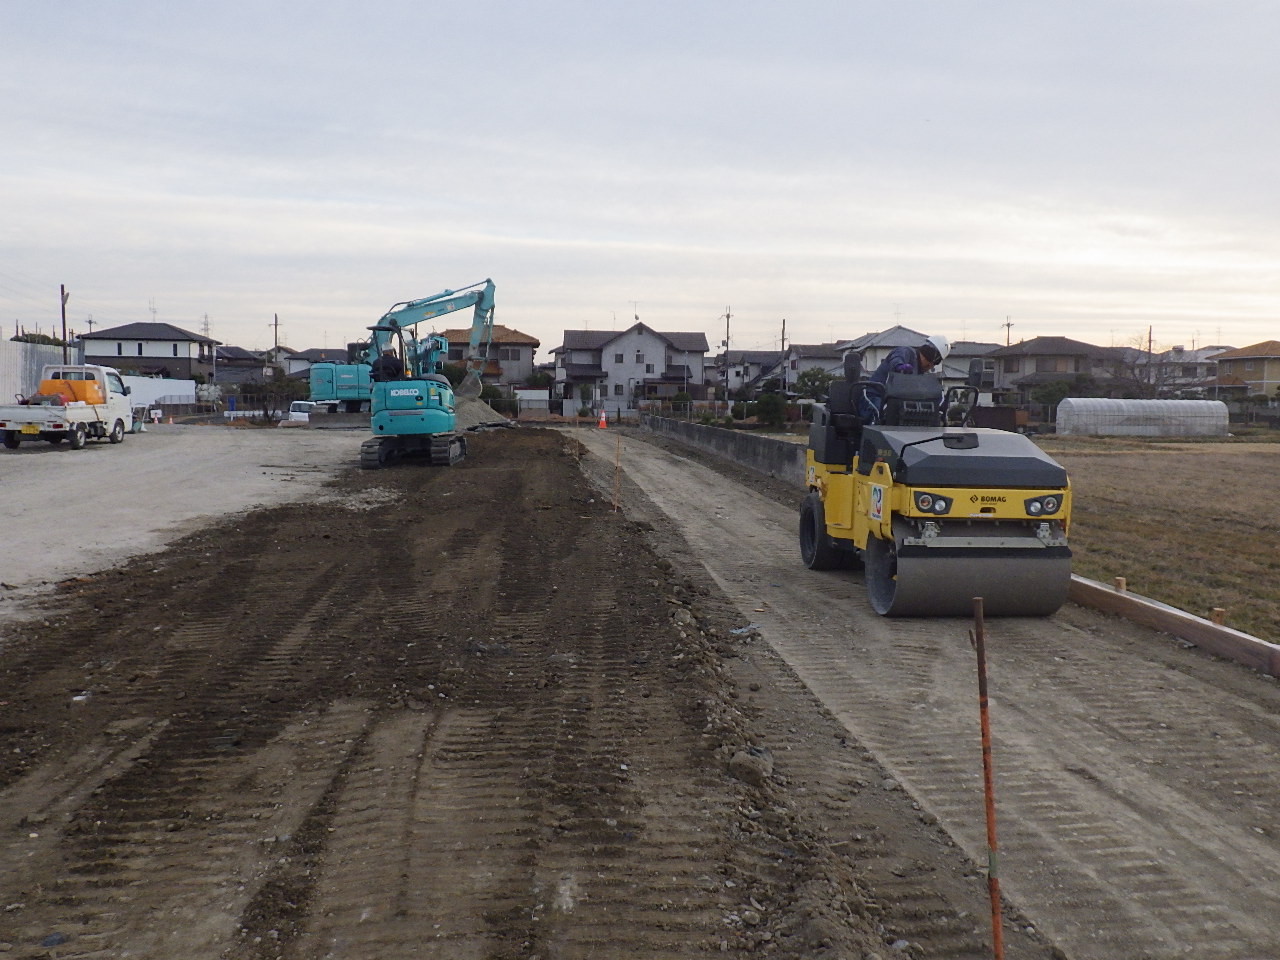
939	343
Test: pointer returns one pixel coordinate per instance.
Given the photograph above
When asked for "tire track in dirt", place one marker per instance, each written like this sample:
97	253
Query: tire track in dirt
1119	863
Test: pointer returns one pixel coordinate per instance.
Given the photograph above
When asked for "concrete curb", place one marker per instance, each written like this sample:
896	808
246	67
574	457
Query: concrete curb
1215	638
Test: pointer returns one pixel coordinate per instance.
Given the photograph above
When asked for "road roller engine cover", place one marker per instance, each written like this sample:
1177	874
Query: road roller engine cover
937	511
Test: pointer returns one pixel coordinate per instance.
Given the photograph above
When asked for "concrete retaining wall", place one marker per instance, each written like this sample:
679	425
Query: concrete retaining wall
774	458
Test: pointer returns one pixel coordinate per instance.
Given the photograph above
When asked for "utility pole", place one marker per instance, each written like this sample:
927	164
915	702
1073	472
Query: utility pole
727	315
65	295
91	322
1008	327
213	350
275	324
782	360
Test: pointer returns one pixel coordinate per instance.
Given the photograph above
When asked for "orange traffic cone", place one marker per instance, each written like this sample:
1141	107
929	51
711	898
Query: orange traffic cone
171	419
603	422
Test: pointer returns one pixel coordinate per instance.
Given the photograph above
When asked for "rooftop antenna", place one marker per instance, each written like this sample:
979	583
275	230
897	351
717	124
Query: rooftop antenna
151	305
91	322
635	308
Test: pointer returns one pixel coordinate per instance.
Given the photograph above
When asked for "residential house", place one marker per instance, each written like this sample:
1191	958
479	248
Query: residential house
744	372
151	349
619	367
1182	373
874	347
299	362
1023	366
1257	366
510	360
236	365
800	357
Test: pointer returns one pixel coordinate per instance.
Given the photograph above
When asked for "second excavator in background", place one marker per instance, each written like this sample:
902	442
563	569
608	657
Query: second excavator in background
412	405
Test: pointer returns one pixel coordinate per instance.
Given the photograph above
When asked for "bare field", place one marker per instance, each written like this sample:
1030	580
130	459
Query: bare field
1194	525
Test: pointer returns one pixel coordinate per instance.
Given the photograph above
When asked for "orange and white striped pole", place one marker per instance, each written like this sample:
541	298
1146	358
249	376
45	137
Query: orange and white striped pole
979	640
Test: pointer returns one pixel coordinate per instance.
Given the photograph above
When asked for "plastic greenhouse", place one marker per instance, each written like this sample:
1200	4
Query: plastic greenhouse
1094	416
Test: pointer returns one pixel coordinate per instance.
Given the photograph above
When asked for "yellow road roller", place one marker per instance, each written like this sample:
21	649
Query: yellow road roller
935	510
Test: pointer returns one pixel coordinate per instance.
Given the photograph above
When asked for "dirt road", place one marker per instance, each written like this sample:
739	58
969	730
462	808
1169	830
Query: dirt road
1137	779
475	712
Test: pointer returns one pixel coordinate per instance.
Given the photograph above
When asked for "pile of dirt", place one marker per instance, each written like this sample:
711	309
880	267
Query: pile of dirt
472	413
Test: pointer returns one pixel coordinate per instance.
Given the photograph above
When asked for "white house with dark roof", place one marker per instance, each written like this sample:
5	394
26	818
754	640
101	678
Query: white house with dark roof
800	357
151	349
620	367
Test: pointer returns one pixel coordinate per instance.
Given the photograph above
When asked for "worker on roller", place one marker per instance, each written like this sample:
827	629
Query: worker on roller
387	366
921	359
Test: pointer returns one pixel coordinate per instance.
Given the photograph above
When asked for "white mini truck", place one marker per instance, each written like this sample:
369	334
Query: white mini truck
75	402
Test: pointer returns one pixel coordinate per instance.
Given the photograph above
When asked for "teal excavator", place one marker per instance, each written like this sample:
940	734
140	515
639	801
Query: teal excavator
411	404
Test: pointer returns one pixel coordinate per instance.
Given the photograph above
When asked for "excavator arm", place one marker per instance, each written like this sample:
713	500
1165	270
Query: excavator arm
479	297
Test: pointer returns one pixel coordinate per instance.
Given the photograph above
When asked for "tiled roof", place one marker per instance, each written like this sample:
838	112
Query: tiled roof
501	334
688	342
322	355
1050	347
147	331
1265	350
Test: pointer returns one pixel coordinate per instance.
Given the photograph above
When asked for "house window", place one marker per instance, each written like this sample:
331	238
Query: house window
794	364
455	353
175	349
1051	364
139	349
617	358
617	389
648	368
639	358
1013	364
119	349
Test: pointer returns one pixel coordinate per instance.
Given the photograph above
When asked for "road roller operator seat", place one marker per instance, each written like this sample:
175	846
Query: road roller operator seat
904	400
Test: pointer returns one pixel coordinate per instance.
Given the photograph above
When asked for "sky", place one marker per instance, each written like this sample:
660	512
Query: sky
1104	170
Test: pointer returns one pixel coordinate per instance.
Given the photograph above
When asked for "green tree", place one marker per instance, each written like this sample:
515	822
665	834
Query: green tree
540	379
814	383
772	409
43	338
454	373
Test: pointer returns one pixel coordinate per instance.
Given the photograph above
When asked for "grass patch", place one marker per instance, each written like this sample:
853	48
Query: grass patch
1194	525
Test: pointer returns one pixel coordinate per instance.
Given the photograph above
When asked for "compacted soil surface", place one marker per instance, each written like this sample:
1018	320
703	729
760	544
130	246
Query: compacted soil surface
455	713
481	712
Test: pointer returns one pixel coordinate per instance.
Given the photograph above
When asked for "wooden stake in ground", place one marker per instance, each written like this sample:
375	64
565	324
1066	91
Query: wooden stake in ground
979	640
617	474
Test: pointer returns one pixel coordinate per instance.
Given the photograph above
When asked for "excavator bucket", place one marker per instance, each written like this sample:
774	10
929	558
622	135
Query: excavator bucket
470	387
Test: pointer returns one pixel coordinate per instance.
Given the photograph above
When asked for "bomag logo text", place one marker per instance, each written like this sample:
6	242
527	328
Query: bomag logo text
983	499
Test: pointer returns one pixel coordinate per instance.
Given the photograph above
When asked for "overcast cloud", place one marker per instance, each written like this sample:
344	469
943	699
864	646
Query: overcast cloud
1088	169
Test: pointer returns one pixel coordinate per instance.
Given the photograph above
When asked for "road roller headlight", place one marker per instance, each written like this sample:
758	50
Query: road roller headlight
1043	506
932	502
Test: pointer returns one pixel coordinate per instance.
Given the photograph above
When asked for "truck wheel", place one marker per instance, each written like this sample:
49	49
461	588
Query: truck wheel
815	545
77	437
11	439
117	432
